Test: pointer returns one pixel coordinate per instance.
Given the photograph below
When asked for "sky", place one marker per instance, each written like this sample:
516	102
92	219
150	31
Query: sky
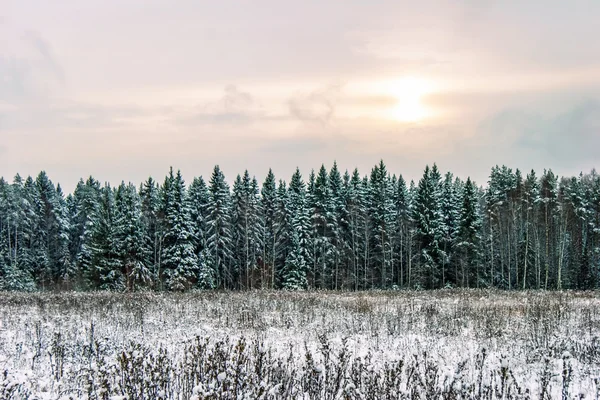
122	90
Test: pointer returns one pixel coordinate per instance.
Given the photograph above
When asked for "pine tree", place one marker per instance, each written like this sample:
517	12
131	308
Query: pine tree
268	204
132	239
321	235
16	258
548	217
428	229
83	207
180	262
449	209
106	273
197	199
381	215
298	223
468	240
401	229
152	219
336	222
283	232
54	226
217	269
528	251
246	221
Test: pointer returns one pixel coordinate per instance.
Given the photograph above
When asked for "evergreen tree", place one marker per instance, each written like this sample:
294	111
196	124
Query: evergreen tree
298	221
217	270
152	218
54	226
381	213
468	240
402	226
428	230
83	207
268	233
449	209
246	221
336	222
179	259
106	273
283	232
132	239
197	199
320	227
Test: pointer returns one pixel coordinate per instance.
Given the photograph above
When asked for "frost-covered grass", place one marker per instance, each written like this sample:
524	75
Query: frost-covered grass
272	345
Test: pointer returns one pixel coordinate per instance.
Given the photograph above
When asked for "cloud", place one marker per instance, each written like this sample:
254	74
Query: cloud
297	144
234	107
569	139
316	107
45	50
29	71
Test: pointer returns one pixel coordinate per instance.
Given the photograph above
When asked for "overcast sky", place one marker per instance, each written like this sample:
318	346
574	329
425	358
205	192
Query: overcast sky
123	89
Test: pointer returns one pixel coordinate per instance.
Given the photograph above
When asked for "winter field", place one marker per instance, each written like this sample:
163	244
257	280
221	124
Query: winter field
287	345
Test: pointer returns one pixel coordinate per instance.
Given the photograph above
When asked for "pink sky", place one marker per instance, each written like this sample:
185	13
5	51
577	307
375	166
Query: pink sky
124	89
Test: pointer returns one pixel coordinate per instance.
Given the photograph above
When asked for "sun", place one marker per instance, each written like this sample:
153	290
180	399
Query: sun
409	92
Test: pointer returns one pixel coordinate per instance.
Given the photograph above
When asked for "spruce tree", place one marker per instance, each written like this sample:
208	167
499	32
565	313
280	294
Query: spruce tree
106	262
83	208
152	219
246	221
470	272
428	230
268	203
132	239
381	210
180	262
217	269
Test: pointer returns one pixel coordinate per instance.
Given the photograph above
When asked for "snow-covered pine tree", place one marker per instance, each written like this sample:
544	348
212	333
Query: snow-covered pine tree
367	278
547	220
132	239
401	229
380	212
83	208
336	222
450	213
268	203
428	232
219	252
54	224
470	272
283	232
106	273
294	274
16	263
321	235
246	229
353	205
197	199
179	259
152	221
528	251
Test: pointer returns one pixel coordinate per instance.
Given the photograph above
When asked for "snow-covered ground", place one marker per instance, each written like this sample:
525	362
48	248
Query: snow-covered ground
271	345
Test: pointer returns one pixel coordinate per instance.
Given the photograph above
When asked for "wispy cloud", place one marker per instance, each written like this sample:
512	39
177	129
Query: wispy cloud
235	107
45	50
318	106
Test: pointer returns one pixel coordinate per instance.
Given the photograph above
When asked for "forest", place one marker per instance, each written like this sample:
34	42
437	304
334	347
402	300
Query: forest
331	230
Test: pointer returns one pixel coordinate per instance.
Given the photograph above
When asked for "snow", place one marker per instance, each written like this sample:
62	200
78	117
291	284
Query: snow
201	344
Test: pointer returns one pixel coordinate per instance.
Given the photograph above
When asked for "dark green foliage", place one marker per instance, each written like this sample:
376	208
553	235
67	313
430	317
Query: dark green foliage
335	231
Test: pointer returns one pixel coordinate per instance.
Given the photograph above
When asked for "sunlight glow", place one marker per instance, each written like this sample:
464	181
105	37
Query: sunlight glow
409	91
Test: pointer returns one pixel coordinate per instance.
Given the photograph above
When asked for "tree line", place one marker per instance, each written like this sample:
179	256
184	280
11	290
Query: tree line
332	230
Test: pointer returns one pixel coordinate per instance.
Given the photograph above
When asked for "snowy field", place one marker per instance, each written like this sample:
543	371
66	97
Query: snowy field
282	345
